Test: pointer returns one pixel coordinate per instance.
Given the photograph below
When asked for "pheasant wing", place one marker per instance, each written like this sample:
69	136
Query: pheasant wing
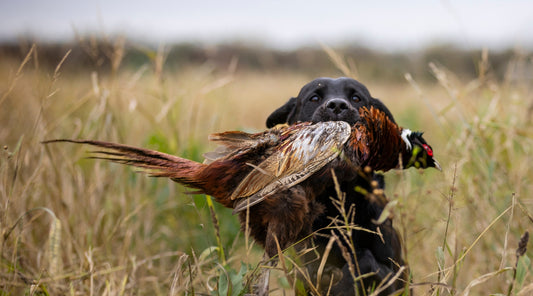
305	151
235	142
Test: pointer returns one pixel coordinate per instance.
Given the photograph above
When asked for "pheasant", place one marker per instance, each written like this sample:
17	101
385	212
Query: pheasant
275	175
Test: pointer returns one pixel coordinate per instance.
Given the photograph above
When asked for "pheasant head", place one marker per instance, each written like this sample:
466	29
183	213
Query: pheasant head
417	152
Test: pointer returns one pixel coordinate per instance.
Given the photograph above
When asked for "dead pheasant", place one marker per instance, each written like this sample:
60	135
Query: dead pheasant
276	174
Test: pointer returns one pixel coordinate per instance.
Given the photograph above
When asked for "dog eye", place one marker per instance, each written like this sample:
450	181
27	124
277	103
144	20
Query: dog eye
314	99
356	99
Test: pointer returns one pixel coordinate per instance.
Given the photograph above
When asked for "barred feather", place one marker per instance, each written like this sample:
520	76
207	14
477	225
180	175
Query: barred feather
157	164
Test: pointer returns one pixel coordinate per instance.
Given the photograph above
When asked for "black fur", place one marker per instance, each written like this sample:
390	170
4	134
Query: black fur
326	99
314	102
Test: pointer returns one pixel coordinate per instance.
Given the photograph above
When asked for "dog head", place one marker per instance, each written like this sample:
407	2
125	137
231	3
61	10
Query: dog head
327	99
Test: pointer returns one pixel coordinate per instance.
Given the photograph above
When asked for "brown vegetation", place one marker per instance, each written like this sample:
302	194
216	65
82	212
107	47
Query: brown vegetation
83	227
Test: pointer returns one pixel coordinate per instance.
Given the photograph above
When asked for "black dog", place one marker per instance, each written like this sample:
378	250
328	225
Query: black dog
327	99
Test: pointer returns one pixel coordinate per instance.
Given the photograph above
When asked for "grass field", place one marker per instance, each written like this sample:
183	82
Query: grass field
75	226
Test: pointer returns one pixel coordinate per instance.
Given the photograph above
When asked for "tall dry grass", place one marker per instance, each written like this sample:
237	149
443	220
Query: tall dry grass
82	227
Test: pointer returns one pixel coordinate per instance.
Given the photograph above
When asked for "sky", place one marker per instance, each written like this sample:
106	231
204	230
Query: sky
387	25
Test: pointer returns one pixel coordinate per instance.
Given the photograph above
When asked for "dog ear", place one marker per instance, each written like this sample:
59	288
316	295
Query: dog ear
282	114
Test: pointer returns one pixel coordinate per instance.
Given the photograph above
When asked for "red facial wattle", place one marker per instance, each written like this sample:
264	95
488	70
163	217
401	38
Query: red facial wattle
428	150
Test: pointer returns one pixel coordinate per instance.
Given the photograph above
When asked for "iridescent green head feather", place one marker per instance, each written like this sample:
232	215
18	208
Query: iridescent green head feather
418	152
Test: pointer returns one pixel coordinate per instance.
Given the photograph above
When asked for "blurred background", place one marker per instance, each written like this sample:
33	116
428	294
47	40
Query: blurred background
267	35
387	25
165	74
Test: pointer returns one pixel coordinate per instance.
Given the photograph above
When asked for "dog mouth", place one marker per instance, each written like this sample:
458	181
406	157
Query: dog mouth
349	117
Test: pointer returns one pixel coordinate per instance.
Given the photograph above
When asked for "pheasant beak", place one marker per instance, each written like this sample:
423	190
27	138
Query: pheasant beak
437	165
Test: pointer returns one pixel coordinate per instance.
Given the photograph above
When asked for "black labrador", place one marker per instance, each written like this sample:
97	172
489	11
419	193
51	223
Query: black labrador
328	99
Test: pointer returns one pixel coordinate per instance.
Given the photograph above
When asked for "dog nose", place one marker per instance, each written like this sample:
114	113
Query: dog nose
337	105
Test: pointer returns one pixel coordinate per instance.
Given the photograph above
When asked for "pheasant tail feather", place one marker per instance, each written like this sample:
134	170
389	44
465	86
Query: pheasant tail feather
157	164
